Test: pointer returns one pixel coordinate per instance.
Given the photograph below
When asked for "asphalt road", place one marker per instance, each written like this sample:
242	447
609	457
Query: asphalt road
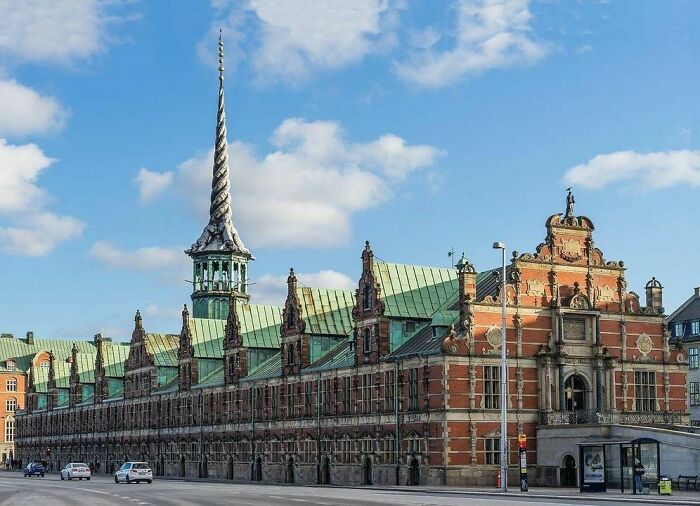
101	490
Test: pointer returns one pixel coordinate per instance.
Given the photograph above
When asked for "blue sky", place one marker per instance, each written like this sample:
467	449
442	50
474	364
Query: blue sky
417	125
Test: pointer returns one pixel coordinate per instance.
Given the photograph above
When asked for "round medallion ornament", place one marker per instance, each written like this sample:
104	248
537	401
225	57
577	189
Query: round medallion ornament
493	337
644	344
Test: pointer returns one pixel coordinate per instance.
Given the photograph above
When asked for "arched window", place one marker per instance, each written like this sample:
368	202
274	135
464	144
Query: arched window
11	385
366	341
11	405
367	297
10	365
290	354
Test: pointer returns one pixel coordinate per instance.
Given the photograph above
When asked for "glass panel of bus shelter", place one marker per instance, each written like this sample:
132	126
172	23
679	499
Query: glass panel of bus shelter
648	456
612	466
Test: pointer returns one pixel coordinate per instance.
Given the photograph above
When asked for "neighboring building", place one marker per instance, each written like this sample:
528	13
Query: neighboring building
396	382
685	328
25	364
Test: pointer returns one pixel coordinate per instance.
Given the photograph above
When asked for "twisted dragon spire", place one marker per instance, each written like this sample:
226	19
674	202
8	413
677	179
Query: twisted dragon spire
220	234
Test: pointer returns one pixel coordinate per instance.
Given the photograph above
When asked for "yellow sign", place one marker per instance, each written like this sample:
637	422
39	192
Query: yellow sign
522	438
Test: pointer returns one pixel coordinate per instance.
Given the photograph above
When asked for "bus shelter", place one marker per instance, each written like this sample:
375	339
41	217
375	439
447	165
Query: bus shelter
609	464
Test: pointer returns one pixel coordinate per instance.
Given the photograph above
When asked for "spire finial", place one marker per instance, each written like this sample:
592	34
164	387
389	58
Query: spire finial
220	234
221	59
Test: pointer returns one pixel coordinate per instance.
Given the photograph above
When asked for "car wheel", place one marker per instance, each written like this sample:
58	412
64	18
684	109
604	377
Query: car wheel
88	478
62	478
115	479
149	481
127	479
42	475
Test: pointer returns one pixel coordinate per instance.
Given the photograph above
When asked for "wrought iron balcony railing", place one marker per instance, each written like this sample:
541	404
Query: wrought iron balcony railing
589	416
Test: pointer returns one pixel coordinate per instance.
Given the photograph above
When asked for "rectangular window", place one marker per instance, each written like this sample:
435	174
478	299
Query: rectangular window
389	391
11	385
9	431
492	447
575	329
645	390
693	358
492	387
366	393
345	394
678	329
11	405
307	398
413	389
695	327
694	393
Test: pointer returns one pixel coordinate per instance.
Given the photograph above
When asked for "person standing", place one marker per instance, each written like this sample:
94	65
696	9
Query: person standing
638	473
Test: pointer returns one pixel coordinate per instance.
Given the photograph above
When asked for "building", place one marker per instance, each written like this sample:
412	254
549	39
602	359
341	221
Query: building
25	364
685	328
396	382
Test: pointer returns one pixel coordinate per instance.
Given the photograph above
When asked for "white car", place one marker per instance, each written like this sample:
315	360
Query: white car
75	470
131	472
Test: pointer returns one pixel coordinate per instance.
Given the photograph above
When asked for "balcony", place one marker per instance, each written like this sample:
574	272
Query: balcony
592	417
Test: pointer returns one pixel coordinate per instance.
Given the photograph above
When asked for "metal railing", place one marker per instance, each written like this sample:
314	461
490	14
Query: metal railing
592	417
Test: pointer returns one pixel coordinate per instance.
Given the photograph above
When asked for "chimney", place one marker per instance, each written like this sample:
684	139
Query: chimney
654	292
697	292
30	337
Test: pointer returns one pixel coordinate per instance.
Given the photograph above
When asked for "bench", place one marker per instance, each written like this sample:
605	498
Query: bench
686	480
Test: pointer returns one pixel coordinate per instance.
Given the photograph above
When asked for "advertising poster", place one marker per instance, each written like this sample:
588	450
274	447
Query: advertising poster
593	463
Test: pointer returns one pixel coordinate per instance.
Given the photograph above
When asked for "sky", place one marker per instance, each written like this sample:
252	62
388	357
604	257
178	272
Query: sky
422	126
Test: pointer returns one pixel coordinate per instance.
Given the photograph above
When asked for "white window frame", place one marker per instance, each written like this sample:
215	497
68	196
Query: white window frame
695	327
11	385
9	430
11	405
693	362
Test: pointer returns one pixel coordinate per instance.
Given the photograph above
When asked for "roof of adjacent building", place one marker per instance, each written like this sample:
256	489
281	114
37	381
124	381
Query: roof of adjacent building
688	311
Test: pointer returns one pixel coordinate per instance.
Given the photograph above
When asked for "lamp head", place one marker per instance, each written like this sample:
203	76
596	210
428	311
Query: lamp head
499	245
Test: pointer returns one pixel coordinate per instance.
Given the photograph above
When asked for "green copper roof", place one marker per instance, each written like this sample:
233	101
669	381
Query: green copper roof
327	312
113	357
270	368
339	357
207	337
213	379
260	325
412	291
163	347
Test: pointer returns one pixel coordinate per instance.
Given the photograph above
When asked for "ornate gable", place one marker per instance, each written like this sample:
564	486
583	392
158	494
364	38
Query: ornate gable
187	365
101	386
235	354
74	393
367	296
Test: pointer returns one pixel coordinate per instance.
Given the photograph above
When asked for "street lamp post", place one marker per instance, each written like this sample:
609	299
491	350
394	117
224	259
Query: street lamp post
504	373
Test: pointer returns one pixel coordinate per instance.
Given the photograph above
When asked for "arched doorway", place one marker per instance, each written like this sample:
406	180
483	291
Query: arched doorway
326	471
567	476
182	466
229	470
575	390
414	472
289	472
367	471
204	468
258	469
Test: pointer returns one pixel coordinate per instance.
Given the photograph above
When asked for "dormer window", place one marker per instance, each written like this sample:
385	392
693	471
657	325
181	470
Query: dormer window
44	364
678	329
695	327
410	327
10	365
367	297
366	341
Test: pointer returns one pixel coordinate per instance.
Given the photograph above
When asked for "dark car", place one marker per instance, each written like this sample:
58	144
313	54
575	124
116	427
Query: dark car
34	469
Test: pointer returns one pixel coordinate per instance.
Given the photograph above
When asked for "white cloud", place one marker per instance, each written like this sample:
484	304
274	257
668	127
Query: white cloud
293	38
52	30
306	191
489	34
38	234
159	312
269	289
23	111
141	259
651	170
151	184
29	228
